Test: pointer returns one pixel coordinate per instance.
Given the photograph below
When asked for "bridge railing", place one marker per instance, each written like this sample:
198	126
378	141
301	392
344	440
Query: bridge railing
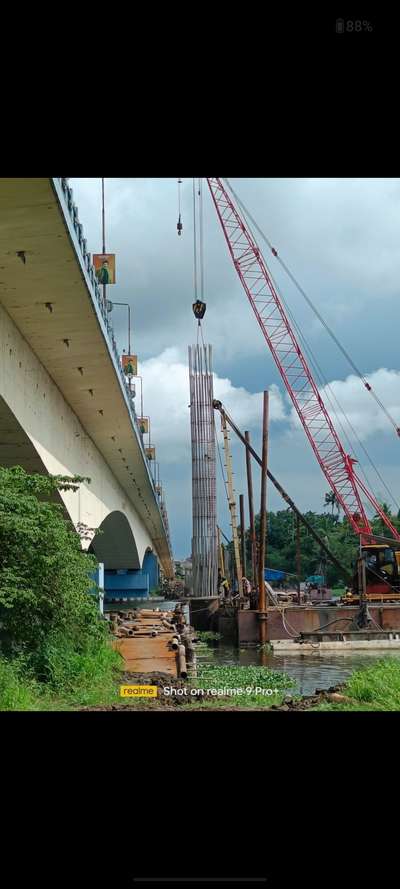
98	296
73	212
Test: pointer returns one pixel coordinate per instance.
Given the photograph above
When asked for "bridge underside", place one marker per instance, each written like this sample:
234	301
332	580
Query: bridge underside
16	448
55	416
115	545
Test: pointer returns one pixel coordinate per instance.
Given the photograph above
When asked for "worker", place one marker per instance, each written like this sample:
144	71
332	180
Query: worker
224	587
254	598
372	562
246	587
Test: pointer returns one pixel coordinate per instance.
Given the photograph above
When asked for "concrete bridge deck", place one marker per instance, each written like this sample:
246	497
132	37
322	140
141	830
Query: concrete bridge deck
64	403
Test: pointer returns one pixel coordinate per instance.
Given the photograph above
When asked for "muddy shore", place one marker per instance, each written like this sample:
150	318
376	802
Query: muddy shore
168	703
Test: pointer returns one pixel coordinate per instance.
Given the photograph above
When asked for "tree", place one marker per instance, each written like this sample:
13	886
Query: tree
281	543
332	500
44	574
385	509
378	525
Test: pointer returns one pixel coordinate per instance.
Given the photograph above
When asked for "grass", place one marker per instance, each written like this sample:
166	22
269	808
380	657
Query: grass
68	679
261	687
208	636
18	691
373	688
338	591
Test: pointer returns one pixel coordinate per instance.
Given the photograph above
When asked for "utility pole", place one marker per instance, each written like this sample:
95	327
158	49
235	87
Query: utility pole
243	534
127	306
298	558
362	618
313	533
104	234
220	554
232	503
263	521
251	512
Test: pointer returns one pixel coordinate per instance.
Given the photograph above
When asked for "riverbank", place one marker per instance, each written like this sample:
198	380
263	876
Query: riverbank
375	688
93	683
71	680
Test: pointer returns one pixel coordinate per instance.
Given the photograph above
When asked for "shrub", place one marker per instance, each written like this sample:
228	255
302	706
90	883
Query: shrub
44	574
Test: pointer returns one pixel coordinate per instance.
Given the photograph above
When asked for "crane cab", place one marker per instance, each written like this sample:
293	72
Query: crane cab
382	569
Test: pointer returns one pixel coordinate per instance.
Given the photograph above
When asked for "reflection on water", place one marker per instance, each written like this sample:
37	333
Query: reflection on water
310	671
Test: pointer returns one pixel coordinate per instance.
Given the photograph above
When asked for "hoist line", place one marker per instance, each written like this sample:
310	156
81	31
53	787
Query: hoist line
194	242
313	360
328	329
201	245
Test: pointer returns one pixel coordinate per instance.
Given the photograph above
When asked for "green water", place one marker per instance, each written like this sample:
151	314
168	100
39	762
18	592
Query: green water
310	671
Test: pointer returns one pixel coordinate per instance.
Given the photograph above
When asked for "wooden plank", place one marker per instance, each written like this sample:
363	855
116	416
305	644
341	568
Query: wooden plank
144	644
151	665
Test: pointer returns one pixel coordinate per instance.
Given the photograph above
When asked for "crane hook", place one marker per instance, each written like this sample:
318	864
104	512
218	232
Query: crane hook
180	224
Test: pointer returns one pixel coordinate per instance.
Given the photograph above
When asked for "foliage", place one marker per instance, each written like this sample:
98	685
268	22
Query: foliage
70	679
44	574
373	688
208	636
18	688
332	500
339	536
246	678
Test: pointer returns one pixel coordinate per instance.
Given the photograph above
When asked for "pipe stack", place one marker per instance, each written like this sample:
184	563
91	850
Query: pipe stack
169	626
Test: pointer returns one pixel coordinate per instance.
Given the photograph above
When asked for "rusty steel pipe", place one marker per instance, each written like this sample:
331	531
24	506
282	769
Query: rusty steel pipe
182	662
298	559
342	568
242	537
263	518
190	651
251	512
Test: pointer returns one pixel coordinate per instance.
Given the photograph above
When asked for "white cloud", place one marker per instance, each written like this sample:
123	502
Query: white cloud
340	239
358	405
166	400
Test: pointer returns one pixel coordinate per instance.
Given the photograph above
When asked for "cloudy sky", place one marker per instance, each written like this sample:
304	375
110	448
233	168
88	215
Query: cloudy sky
341	240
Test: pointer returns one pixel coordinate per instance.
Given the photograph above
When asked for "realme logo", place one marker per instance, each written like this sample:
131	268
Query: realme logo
138	691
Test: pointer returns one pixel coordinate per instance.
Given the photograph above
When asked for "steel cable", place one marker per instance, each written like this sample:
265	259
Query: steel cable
328	329
317	369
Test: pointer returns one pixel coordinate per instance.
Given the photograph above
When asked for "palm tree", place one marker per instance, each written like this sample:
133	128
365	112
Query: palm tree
386	511
332	500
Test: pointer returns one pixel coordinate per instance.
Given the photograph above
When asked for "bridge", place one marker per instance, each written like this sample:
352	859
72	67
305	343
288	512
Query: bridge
65	406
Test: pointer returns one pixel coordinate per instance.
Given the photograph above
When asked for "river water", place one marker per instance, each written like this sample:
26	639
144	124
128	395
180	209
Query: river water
310	671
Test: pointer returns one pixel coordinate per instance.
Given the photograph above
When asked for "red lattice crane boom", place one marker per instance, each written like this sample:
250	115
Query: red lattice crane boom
337	466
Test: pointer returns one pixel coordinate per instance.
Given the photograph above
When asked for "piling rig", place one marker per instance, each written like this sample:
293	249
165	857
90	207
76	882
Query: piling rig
219	407
379	580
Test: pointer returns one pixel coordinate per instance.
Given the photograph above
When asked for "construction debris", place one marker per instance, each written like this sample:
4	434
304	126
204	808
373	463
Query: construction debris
151	640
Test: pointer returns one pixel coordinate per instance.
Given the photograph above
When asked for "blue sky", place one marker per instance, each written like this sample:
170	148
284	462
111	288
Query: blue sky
340	238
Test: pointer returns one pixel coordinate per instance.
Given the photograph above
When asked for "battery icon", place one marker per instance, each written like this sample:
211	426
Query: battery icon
339	26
